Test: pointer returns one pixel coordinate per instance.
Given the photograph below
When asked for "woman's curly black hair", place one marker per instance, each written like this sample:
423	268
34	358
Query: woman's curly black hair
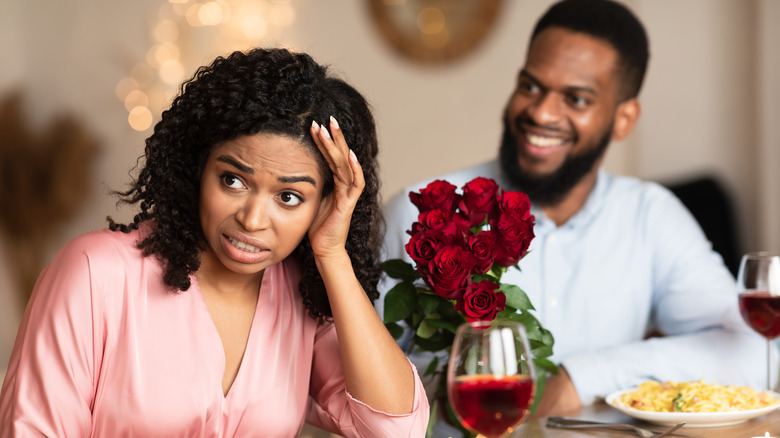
273	91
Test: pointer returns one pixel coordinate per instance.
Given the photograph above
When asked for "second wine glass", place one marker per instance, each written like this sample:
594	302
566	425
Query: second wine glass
758	283
490	377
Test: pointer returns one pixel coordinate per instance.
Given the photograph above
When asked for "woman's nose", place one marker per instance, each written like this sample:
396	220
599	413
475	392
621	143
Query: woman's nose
254	214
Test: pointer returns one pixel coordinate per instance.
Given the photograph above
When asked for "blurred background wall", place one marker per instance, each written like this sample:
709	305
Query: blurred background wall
711	100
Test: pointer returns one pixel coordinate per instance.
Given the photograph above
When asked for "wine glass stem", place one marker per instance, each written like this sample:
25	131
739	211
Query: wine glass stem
768	364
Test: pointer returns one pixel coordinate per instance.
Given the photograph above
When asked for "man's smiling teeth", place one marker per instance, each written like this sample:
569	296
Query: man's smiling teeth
543	142
243	246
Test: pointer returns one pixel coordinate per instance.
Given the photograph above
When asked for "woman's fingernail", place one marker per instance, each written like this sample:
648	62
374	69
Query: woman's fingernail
333	123
325	132
353	156
315	125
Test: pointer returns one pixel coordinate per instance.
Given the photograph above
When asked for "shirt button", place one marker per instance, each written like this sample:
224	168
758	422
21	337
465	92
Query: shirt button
552	238
552	302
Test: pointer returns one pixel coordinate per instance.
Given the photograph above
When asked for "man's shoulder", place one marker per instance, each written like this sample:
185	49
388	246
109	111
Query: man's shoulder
631	187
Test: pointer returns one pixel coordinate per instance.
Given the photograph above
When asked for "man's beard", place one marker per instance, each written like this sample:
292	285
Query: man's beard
549	190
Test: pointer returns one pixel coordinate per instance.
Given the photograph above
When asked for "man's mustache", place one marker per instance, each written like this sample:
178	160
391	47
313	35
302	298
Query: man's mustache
522	122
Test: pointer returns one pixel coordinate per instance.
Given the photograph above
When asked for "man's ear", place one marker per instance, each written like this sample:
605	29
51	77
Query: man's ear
626	116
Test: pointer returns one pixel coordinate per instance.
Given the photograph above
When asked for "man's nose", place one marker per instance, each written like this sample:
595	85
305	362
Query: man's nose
546	109
254	214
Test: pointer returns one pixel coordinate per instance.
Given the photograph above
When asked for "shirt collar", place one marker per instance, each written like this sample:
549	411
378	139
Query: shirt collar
586	213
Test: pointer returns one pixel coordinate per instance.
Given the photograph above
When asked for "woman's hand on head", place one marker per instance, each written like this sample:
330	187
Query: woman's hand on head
328	232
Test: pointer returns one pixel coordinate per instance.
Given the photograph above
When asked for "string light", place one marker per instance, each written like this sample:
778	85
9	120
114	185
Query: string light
225	24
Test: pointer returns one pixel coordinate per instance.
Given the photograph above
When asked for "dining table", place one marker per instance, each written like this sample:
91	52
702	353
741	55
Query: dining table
536	428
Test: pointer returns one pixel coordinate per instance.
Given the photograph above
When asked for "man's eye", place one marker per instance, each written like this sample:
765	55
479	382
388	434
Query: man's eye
578	101
527	87
232	181
290	199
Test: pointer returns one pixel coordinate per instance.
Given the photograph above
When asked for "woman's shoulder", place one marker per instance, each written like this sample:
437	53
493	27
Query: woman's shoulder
105	247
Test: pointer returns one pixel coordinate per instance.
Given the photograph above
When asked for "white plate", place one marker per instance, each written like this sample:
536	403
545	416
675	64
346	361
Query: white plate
691	419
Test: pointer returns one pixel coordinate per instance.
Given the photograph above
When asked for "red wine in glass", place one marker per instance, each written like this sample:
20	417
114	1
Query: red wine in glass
761	310
758	283
490	377
492	405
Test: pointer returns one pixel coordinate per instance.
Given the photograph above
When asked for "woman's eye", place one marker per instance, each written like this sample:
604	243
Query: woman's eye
232	181
290	199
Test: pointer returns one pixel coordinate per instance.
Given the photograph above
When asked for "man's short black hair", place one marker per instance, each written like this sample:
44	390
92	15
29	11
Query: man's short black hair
609	21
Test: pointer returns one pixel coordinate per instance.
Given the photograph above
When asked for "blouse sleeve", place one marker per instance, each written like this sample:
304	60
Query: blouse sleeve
48	390
334	409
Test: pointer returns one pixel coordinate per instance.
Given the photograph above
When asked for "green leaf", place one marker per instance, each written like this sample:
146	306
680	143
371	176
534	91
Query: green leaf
545	365
541	381
515	297
400	301
496	271
536	343
547	337
545	351
487	276
432	366
425	330
428	303
394	329
447	311
433	418
531	324
441	340
399	269
443	324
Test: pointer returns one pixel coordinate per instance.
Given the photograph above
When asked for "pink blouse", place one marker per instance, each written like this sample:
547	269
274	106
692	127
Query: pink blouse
105	349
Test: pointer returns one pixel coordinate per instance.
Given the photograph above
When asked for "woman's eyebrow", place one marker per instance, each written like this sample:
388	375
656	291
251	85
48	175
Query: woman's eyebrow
283	179
236	164
295	179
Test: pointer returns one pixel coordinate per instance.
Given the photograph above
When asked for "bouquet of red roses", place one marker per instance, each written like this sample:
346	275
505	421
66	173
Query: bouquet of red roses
461	245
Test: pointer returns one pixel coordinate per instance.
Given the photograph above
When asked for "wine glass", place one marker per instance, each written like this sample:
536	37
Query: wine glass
758	283
490	377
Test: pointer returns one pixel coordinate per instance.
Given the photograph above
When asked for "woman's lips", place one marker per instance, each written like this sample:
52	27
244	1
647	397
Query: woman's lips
244	252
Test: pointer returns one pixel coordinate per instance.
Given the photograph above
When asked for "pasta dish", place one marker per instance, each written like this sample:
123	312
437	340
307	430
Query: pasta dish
695	397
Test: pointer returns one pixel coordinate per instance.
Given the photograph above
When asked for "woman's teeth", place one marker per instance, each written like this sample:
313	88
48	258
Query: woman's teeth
243	246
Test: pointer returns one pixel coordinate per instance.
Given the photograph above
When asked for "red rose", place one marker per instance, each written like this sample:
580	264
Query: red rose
482	247
423	247
435	219
450	272
514	237
479	199
515	201
453	225
438	194
482	301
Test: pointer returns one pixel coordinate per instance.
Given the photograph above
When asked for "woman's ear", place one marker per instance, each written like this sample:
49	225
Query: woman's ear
626	116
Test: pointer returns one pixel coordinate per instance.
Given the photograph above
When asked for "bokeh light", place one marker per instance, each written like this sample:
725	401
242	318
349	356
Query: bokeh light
140	118
282	15
255	27
136	98
171	72
125	86
167	31
228	25
431	21
210	14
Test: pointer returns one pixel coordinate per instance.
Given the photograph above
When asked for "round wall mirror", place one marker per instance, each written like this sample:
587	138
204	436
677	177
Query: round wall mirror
434	31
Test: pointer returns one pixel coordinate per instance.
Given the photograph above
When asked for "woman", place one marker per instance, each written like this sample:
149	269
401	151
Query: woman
238	301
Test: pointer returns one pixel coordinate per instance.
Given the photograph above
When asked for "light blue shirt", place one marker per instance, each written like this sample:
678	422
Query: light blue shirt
632	261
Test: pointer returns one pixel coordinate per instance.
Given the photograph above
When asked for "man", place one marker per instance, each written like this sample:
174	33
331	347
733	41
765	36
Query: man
614	259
